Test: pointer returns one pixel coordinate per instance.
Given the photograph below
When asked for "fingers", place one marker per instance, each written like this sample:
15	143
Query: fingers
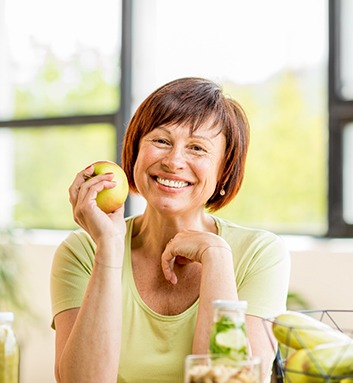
90	188
190	246
168	261
80	178
84	190
168	270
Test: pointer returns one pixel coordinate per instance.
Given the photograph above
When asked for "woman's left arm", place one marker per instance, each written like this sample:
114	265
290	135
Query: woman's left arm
217	282
260	344
217	277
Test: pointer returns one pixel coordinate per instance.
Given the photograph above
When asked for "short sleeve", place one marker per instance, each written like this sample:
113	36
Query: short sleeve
264	282
261	267
71	270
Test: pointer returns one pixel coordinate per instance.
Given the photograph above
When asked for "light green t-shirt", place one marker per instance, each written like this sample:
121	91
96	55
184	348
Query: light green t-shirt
154	346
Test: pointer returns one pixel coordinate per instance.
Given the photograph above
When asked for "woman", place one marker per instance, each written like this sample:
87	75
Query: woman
132	297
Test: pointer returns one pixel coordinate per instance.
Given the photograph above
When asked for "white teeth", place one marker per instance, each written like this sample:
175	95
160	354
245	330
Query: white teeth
172	183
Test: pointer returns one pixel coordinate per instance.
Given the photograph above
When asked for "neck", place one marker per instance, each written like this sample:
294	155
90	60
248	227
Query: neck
152	230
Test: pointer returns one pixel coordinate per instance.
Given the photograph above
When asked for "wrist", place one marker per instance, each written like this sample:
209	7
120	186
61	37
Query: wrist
216	250
111	267
110	253
110	243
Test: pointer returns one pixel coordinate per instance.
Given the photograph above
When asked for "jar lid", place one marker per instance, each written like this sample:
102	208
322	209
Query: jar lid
7	316
226	304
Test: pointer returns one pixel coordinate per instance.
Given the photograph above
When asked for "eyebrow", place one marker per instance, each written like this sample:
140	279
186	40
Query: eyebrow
194	135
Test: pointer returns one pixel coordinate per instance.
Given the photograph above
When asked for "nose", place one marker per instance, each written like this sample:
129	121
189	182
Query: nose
174	159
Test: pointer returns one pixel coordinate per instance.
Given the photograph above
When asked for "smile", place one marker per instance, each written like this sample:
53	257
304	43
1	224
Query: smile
172	183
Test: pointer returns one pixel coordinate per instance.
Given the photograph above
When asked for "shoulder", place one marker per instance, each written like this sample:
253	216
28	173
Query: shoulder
256	241
242	233
75	251
77	240
81	239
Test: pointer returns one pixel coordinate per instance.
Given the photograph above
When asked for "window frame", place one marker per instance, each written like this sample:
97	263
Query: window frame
119	118
340	113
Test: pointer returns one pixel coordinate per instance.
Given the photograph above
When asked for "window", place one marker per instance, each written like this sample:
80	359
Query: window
56	153
278	72
60	58
68	91
60	71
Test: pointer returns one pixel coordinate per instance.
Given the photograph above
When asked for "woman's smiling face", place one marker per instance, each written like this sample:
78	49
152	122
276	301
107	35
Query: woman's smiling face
177	170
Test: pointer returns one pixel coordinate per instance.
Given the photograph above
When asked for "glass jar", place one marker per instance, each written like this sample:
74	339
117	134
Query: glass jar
207	368
228	335
9	353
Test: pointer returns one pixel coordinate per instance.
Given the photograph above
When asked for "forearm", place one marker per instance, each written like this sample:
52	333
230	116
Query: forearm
261	344
217	282
91	353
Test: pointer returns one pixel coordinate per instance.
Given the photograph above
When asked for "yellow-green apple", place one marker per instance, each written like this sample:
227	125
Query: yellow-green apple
109	200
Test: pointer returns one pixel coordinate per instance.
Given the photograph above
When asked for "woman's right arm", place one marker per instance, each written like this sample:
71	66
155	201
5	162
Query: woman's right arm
88	338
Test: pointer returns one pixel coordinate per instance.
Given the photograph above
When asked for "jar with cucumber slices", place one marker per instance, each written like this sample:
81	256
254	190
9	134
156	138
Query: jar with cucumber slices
229	337
9	354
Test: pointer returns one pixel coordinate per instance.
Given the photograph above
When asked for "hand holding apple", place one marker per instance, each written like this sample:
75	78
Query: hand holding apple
109	200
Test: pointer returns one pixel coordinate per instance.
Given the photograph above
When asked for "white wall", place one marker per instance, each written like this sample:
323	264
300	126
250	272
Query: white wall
321	272
35	335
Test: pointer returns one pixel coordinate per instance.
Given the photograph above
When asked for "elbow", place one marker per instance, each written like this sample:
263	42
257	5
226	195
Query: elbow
57	375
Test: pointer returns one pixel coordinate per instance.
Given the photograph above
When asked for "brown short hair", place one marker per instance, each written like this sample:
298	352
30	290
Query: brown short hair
192	102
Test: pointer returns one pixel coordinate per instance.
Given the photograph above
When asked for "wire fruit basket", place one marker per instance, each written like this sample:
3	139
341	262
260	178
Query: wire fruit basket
312	346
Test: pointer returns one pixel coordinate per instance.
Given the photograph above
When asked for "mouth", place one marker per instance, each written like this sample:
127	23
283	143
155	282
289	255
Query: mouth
172	183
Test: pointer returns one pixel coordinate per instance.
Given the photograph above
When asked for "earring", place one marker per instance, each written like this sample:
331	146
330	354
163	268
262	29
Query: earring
222	192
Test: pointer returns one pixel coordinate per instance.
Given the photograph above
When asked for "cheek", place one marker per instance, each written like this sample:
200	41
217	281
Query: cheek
138	168
220	171
143	161
215	169
210	172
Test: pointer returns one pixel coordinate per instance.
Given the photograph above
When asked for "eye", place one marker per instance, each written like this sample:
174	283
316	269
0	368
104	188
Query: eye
161	141
198	148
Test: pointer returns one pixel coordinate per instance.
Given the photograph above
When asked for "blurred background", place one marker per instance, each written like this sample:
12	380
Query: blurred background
73	72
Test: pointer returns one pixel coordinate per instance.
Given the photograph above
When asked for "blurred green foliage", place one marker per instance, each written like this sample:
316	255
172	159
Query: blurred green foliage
82	85
11	272
284	189
47	161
